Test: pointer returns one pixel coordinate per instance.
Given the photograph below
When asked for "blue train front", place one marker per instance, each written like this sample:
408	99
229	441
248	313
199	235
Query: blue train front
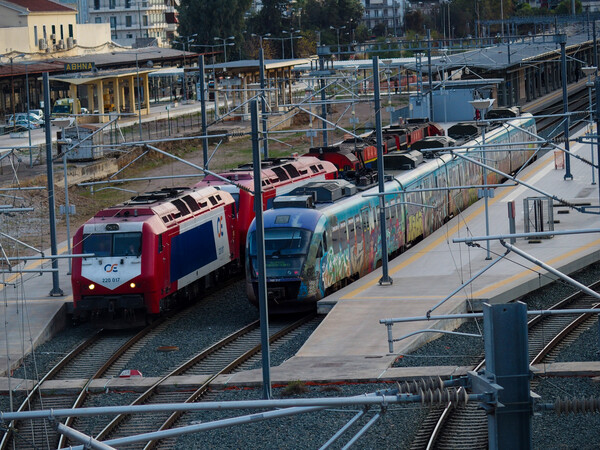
317	240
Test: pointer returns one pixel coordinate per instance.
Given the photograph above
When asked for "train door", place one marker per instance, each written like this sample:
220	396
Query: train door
428	200
414	216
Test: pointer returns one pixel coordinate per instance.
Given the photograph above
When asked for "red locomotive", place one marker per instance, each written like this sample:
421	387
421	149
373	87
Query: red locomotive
353	154
151	249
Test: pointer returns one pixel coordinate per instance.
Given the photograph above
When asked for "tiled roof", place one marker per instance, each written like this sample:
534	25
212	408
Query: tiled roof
41	5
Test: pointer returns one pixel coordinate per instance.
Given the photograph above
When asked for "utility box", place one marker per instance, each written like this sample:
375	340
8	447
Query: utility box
90	147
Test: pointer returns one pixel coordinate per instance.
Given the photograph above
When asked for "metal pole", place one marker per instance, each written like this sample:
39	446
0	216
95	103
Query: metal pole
595	44
67	206
506	327
29	127
430	75
563	56
87	441
263	115
203	108
323	98
597	88
260	246
380	176
137	69
56	291
485	194
12	94
589	85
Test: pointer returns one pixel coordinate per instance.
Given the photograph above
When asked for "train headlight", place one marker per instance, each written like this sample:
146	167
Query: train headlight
132	285
91	287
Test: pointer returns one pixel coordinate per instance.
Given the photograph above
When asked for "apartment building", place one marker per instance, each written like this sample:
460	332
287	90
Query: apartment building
43	28
387	12
130	20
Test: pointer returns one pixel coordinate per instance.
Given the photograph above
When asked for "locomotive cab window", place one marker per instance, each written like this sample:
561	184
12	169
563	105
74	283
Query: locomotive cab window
127	244
113	244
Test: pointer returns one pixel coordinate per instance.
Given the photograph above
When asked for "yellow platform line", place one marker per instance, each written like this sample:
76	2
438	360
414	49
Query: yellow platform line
31	265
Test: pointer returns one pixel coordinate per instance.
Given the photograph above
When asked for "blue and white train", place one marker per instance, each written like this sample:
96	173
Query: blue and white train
326	234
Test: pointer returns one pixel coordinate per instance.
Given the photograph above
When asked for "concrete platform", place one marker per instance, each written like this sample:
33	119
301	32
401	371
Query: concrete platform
30	316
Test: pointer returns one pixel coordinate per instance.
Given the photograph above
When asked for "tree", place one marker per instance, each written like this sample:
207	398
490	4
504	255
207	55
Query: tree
212	18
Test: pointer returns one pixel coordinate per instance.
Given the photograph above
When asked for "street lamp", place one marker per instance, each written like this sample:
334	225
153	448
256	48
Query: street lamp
261	37
278	39
589	71
292	37
225	44
482	105
343	27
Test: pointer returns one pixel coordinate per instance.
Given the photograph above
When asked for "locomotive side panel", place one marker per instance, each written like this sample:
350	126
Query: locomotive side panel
201	247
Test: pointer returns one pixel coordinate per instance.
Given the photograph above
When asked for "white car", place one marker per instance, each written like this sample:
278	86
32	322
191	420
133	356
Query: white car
22	117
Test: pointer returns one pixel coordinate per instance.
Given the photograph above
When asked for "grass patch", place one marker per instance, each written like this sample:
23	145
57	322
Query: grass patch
294	388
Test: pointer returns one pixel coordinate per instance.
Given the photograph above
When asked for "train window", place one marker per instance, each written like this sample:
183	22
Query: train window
127	244
320	166
183	210
282	174
165	219
160	243
192	204
325	246
99	244
282	219
291	170
314	169
320	251
203	204
218	197
213	201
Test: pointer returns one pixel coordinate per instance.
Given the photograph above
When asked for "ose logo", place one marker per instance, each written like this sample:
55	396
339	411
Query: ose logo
111	268
220	227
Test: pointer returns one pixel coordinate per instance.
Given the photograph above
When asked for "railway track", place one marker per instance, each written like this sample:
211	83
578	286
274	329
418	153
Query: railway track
231	354
87	361
465	427
103	355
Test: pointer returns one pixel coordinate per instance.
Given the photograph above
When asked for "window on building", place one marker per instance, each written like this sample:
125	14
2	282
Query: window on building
97	19
129	36
128	21
70	30
44	30
145	21
54	31
62	32
96	4
112	4
113	22
35	35
127	4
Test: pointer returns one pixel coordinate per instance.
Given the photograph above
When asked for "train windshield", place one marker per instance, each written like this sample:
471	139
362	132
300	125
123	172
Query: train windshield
283	242
113	244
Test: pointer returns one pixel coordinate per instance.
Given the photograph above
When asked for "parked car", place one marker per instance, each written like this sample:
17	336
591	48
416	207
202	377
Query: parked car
34	119
22	125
